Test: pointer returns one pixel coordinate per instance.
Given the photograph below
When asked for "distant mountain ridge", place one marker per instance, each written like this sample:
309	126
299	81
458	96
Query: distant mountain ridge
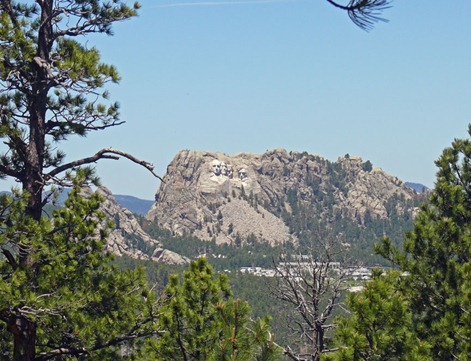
278	197
420	188
135	205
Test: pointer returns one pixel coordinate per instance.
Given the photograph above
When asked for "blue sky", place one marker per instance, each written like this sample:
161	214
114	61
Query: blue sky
233	76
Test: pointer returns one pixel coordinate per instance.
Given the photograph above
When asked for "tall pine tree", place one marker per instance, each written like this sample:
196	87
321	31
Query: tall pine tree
201	321
437	258
424	313
51	87
380	326
70	303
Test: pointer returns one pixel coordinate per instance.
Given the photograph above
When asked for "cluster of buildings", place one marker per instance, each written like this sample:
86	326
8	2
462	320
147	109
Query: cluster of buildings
353	273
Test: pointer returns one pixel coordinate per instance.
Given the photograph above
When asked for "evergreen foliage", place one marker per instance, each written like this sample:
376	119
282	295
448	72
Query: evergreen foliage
367	166
380	327
437	258
201	321
223	256
51	87
319	217
72	300
431	301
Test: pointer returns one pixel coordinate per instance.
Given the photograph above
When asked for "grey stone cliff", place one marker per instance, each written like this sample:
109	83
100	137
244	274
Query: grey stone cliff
214	195
128	238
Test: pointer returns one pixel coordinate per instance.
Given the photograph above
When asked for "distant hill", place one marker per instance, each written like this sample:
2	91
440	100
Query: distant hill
419	188
283	198
134	204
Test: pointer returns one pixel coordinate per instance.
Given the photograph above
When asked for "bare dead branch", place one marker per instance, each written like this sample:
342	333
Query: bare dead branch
106	153
311	284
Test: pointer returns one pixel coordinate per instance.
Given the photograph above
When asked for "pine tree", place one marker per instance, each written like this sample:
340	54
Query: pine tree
71	302
429	305
51	88
201	321
243	339
437	258
380	327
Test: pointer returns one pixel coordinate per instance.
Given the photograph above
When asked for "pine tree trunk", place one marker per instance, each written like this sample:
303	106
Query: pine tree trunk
33	181
24	336
23	329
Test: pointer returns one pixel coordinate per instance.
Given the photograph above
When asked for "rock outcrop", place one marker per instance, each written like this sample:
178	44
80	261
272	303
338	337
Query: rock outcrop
228	198
128	238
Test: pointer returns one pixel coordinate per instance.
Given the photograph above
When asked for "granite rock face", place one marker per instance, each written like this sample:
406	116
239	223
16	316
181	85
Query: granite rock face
128	238
216	196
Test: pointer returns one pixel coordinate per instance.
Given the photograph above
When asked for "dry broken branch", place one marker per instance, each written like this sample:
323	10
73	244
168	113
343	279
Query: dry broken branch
106	153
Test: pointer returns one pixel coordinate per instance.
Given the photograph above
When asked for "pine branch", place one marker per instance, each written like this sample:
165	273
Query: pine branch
5	5
10	258
364	13
4	170
132	334
71	351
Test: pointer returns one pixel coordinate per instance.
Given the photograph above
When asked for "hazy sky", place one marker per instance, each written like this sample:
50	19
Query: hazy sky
233	76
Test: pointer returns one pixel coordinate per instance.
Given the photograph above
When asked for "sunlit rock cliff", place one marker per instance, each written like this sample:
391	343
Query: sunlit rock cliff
127	237
264	197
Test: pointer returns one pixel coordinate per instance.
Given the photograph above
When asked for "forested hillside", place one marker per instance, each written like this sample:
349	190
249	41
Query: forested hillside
283	199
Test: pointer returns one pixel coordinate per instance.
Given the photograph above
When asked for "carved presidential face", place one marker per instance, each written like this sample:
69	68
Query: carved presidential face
224	169
243	174
216	167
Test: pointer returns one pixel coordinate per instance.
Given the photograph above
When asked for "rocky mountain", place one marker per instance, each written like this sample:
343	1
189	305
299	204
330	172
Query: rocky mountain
128	238
279	197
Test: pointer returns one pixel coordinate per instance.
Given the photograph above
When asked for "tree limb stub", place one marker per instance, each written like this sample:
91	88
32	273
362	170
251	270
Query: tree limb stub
48	355
106	153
